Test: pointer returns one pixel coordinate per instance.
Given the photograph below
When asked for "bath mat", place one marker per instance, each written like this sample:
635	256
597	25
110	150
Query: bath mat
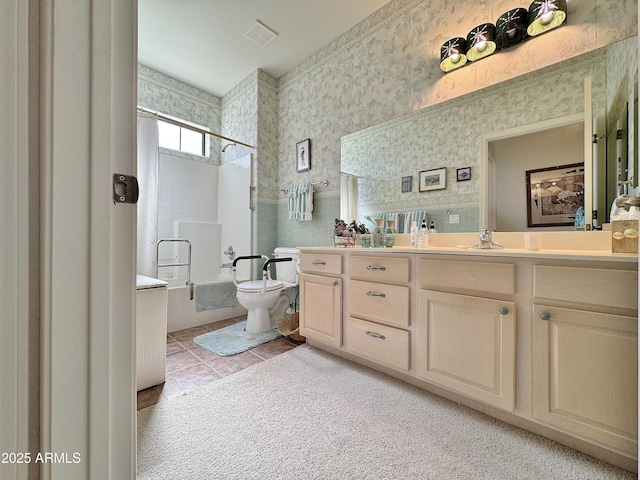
233	339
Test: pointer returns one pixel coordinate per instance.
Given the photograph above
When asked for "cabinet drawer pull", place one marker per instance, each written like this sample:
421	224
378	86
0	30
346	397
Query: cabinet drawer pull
335	283
376	267
375	335
503	310
319	262
545	316
375	294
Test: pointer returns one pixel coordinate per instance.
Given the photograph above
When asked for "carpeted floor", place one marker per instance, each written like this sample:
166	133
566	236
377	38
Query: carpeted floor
306	414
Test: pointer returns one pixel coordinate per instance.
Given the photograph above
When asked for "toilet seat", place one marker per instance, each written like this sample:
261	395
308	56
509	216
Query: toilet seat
255	286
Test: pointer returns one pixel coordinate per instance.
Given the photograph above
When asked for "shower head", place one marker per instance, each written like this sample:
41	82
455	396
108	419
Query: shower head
224	149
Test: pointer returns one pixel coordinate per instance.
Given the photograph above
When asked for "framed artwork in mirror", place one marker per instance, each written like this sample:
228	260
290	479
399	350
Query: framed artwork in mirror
554	195
303	155
435	179
407	184
463	174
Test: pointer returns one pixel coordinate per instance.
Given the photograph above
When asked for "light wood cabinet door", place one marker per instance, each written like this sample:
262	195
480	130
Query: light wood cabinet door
321	308
467	344
586	374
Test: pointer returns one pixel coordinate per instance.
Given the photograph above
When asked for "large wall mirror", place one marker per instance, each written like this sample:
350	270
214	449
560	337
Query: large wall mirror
489	139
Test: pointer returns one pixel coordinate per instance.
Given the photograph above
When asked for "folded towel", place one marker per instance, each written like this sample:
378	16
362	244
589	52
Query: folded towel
305	202
215	294
292	193
300	201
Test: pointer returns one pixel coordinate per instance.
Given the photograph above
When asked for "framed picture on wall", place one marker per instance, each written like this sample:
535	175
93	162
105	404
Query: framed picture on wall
303	155
463	174
554	195
435	179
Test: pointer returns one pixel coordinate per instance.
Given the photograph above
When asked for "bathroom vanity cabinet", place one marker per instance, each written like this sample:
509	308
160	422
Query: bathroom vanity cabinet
546	342
321	297
466	329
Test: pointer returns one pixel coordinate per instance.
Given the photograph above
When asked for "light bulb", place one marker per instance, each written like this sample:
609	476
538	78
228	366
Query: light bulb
546	17
481	45
455	57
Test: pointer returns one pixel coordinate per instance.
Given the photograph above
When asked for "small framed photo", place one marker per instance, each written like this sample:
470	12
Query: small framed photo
407	184
463	174
303	155
435	179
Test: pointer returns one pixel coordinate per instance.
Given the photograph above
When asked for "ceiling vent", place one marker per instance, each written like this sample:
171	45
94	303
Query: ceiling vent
260	34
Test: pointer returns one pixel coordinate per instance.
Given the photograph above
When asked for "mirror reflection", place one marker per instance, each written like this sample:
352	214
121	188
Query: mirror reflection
381	165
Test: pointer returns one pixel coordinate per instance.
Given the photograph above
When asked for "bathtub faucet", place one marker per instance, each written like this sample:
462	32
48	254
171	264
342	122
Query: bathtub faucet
230	253
226	265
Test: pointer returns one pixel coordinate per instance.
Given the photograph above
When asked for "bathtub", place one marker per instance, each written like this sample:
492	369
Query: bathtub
182	313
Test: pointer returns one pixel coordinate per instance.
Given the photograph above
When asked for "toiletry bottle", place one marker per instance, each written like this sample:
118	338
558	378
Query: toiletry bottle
414	234
422	235
432	228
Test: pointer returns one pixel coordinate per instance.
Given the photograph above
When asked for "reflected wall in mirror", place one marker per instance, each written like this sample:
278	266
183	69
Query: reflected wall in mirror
449	134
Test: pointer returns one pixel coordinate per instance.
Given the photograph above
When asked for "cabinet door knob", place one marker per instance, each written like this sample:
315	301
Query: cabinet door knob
375	294
545	316
376	267
335	283
319	262
375	335
503	310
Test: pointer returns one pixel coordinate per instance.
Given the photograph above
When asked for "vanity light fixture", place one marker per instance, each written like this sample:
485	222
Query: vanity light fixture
545	15
511	28
453	54
480	42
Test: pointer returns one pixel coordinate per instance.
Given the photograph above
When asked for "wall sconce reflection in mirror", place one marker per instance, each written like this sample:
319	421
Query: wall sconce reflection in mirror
453	54
480	42
511	28
545	15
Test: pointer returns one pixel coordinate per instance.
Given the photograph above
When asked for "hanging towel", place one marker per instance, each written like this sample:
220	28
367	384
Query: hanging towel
305	201
215	294
292	193
300	201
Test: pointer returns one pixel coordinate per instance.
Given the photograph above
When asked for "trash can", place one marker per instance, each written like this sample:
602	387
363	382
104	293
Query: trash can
151	331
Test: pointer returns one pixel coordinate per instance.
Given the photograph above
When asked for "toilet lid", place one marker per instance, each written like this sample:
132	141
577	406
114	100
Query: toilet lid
256	286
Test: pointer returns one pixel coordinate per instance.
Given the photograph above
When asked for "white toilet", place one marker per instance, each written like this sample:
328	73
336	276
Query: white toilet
267	300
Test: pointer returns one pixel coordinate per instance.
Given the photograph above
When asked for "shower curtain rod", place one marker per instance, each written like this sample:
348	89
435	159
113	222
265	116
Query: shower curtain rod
200	130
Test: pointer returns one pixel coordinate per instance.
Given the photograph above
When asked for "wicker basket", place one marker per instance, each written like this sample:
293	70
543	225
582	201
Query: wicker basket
290	326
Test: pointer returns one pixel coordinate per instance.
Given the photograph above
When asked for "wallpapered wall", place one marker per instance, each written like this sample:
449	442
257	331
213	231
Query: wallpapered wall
387	66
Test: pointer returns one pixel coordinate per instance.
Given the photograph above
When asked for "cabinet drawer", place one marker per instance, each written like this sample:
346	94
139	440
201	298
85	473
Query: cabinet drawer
327	263
591	286
380	269
379	301
382	344
482	277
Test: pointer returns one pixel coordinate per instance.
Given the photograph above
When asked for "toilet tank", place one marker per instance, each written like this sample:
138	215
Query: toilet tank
286	271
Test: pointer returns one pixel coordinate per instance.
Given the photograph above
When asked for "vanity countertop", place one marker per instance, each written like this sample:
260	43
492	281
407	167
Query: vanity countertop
597	255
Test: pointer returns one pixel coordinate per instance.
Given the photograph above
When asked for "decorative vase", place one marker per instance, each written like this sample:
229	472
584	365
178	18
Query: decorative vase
378	232
389	237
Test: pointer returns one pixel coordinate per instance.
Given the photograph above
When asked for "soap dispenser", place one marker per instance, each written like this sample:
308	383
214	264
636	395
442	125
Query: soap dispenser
414	234
432	228
422	235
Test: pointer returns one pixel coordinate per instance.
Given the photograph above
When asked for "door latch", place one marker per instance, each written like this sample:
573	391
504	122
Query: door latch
125	188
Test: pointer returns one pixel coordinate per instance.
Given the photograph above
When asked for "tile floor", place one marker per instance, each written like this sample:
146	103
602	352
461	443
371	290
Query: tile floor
190	366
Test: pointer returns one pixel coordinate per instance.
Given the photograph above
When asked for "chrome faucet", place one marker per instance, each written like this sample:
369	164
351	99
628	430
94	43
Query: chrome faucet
486	242
226	265
230	253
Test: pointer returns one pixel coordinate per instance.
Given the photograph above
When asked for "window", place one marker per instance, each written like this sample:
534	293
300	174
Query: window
181	138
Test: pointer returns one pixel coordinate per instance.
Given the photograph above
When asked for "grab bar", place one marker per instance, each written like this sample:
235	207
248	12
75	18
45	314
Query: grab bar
187	264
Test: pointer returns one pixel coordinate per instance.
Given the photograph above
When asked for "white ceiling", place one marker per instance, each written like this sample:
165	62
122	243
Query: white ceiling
202	43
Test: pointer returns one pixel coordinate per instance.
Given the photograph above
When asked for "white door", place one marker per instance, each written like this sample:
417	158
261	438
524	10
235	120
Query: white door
88	241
